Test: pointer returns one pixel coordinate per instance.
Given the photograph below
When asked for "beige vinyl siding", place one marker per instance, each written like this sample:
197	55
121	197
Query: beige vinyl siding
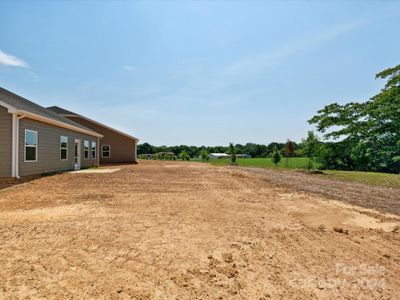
5	142
48	158
122	148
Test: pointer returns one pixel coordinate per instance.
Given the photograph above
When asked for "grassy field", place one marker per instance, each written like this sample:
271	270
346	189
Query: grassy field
383	179
293	163
390	180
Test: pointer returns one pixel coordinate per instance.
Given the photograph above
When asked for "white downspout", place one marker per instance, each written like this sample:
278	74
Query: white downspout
16	133
14	145
98	152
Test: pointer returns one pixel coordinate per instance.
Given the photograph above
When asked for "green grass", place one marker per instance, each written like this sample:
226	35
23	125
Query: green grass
384	179
293	163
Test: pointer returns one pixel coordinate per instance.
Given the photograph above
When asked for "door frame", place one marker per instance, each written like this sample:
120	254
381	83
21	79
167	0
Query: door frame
77	154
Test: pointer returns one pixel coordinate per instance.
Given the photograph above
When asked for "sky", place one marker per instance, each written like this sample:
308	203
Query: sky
201	72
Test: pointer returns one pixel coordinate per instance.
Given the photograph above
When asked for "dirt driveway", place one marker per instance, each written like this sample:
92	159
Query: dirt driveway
163	230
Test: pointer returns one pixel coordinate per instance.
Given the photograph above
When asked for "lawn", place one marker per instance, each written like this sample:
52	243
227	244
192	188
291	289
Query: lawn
383	179
390	180
293	163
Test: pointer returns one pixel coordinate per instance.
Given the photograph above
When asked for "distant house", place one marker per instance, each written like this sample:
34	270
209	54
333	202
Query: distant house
160	155
166	155
115	146
218	155
35	140
224	155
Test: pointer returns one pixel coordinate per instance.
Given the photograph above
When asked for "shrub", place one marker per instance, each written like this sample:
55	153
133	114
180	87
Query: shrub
276	157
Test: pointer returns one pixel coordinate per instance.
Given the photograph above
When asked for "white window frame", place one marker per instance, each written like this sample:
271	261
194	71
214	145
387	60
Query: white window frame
109	151
36	147
84	150
95	149
62	148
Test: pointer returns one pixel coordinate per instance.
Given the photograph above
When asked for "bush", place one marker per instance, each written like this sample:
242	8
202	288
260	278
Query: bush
276	157
184	156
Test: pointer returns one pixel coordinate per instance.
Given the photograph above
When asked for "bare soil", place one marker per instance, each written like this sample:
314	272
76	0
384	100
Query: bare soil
171	230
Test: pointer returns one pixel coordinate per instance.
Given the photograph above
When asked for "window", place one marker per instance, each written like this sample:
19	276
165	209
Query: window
86	149
63	147
31	146
94	150
105	150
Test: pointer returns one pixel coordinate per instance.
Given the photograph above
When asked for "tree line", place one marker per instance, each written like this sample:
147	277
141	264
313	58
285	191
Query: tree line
253	149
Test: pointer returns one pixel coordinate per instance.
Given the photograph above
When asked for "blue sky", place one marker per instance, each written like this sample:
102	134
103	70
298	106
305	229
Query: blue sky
199	73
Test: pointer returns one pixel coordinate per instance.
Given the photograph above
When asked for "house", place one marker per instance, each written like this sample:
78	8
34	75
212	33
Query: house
224	155
165	155
115	146
218	155
35	140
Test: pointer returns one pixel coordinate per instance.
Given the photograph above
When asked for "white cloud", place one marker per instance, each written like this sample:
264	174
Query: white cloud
128	68
10	60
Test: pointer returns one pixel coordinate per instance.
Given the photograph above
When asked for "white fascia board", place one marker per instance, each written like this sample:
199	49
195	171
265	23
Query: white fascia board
11	109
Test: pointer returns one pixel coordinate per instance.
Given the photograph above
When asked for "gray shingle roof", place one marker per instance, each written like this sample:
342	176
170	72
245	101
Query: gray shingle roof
21	103
61	111
68	113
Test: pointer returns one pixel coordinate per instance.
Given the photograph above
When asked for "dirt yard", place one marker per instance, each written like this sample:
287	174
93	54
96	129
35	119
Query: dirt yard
174	230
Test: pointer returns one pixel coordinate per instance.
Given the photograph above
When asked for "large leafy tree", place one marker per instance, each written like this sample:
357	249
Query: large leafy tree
370	130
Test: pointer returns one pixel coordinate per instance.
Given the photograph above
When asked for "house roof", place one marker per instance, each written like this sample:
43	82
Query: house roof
22	106
66	113
219	154
61	111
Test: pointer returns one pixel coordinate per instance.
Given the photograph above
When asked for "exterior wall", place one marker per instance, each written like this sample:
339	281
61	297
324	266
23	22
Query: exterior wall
48	157
5	142
123	149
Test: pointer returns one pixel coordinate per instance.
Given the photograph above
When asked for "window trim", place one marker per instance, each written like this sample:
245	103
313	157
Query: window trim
84	150
109	151
95	149
36	147
61	148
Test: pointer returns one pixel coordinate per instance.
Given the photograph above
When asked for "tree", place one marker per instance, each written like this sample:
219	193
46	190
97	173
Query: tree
370	129
184	156
360	155
276	156
204	154
232	153
271	148
289	150
311	148
145	148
